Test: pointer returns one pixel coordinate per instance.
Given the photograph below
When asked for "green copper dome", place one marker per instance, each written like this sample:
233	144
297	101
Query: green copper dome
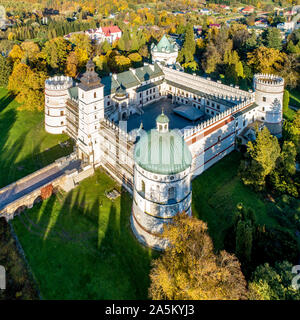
162	152
162	118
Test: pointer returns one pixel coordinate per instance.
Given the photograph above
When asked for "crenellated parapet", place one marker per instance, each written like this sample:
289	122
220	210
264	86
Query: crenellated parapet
203	125
59	83
56	95
269	90
214	88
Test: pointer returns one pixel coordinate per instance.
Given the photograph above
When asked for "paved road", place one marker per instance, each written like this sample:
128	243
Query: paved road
18	191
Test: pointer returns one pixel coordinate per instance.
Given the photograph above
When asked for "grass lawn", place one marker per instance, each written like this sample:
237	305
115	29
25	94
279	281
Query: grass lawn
216	193
80	246
24	144
295	98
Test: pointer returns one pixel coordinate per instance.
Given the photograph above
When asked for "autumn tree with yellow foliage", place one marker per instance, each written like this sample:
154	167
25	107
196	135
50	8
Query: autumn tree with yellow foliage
28	86
189	269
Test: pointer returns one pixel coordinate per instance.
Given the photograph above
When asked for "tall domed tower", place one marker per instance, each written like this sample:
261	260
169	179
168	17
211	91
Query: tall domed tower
162	182
269	97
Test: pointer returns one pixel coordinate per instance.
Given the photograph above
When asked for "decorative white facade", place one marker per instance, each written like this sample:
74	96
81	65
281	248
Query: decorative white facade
92	114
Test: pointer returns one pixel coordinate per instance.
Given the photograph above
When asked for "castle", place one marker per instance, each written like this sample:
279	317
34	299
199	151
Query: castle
155	128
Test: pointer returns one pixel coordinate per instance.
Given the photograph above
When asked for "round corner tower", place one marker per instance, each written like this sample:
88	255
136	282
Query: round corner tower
162	182
269	91
56	95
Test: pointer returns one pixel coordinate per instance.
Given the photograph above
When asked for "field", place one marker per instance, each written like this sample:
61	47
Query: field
24	144
80	245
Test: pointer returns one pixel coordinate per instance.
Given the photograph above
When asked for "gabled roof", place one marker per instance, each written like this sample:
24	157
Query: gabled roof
127	79
109	30
146	73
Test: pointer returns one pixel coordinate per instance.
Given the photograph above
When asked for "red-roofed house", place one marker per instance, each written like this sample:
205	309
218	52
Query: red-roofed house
110	34
247	10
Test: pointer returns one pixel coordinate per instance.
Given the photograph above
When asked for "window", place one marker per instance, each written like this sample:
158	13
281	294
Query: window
244	123
172	193
218	106
95	107
95	94
61	113
207	102
82	96
143	187
62	123
219	139
262	118
263	108
264	99
108	103
95	116
95	127
48	112
213	105
187	95
140	94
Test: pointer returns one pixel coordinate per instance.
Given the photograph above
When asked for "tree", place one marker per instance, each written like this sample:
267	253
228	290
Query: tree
244	226
266	60
189	268
5	71
55	52
28	86
71	65
262	156
119	63
273	38
281	178
211	58
136	59
273	283
286	100
83	48
189	46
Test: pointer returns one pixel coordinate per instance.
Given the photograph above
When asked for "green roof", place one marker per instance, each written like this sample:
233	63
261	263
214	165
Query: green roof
128	79
162	118
162	152
165	45
73	91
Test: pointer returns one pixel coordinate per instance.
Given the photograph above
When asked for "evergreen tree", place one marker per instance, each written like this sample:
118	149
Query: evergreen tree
273	39
286	100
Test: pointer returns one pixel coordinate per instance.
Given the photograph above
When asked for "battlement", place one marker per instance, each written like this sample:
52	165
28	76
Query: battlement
59	83
268	79
214	88
201	126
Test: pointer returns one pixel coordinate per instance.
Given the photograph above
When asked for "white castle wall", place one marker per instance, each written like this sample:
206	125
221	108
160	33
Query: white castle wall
56	95
269	96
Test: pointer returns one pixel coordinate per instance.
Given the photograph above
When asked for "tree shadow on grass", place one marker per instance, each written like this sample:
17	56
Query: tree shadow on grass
6	100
